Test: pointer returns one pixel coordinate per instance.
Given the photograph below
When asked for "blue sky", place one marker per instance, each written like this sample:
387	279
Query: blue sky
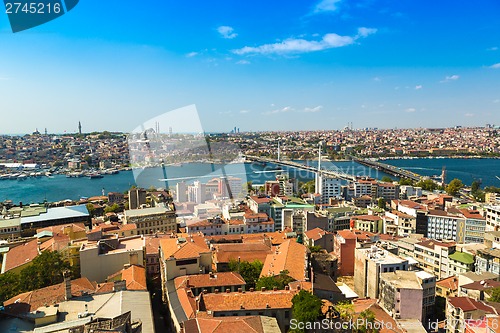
259	65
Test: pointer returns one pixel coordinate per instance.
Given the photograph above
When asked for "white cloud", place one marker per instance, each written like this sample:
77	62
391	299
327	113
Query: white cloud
364	32
300	45
244	111
243	62
282	110
191	54
227	32
410	110
496	101
450	78
326	6
377	79
494	48
418	87
495	66
314	109
469	114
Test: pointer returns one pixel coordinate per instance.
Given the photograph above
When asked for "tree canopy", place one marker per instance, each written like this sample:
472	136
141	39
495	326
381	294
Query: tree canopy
387	179
270	282
306	307
249	271
454	187
45	270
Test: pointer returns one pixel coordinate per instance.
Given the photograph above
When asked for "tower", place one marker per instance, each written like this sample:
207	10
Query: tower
317	182
279	151
79	128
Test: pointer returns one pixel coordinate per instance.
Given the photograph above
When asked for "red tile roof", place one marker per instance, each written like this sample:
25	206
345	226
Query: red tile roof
257	300
220	279
20	255
289	256
32	300
244	251
468	304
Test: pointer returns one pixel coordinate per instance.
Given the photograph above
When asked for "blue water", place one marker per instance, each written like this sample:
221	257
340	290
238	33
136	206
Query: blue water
467	170
34	190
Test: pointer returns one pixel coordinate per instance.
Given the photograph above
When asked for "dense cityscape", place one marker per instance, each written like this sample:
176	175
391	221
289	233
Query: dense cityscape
250	166
409	253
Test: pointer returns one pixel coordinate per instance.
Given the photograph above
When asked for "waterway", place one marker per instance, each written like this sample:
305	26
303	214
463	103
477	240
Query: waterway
59	187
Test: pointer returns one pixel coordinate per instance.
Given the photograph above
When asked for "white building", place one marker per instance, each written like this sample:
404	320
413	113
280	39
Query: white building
492	214
328	187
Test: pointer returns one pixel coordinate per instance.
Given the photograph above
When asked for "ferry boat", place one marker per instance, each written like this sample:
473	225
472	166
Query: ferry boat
95	176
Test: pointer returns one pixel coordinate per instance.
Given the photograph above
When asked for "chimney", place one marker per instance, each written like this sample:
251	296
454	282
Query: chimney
298	287
216	291
240	290
187	282
275	288
287	287
263	289
119	285
67	288
228	291
251	289
205	291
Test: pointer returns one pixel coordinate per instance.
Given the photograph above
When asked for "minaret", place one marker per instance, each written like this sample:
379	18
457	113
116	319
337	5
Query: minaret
79	128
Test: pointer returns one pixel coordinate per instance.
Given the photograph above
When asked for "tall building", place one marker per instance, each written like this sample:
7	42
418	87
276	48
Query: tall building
79	128
197	192
181	192
328	187
136	198
230	187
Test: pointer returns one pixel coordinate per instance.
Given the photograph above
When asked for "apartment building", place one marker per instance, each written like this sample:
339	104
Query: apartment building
433	257
369	264
492	215
152	220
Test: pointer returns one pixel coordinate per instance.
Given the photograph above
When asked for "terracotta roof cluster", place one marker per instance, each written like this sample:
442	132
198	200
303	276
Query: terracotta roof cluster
448	283
256	300
244	251
172	248
135	277
389	324
467	304
32	300
221	279
289	256
245	324
20	255
315	234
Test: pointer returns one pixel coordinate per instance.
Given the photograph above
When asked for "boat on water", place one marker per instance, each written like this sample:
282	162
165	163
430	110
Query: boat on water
22	177
95	175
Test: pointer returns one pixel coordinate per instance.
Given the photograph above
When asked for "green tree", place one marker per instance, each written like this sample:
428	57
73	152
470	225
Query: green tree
315	249
306	307
381	203
45	270
368	320
91	209
345	310
9	286
114	208
427	185
406	181
249	271
387	179
495	295
270	282
454	187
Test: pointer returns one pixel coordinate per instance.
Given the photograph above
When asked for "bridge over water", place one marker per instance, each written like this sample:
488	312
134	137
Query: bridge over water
389	169
328	173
